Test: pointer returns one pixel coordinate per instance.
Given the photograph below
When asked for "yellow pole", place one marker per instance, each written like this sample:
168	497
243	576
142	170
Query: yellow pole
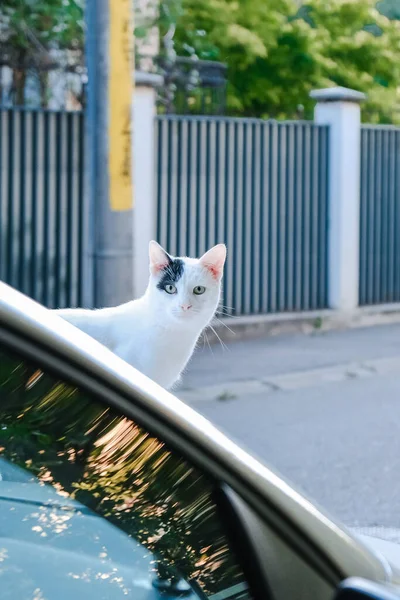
120	96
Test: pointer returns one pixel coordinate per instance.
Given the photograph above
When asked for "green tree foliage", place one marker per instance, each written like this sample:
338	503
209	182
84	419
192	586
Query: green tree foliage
28	23
277	53
360	48
30	28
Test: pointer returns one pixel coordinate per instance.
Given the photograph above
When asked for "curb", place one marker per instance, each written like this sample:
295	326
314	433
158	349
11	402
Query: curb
312	322
291	381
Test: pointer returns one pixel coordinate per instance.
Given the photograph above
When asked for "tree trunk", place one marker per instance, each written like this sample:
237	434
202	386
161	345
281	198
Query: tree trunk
19	78
43	83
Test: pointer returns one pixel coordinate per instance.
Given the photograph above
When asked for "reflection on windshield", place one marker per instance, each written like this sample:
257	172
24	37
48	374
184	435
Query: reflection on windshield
95	459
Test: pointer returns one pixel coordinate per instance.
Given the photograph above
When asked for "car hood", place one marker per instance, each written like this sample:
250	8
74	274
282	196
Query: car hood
55	548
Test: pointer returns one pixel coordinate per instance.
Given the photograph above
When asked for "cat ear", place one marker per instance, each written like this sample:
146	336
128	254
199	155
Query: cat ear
214	260
159	259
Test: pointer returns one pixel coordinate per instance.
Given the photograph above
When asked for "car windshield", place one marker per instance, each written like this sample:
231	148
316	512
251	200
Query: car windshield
99	500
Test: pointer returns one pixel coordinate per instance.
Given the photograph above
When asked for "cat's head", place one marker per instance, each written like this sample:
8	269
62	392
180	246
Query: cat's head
186	289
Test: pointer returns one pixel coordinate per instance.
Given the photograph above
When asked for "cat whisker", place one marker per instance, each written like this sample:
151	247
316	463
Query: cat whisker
204	341
208	342
220	341
225	325
226	306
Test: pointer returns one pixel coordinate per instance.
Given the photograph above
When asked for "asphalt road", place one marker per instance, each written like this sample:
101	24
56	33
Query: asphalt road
333	431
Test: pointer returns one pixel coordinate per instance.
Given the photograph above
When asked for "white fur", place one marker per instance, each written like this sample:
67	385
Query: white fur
158	332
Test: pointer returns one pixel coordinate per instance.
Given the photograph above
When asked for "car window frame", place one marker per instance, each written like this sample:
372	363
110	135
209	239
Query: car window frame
62	366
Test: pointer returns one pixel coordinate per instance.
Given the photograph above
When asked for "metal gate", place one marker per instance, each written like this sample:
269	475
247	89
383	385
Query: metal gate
260	187
42	204
380	215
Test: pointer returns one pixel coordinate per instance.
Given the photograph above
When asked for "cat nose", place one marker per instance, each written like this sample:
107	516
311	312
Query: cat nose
186	306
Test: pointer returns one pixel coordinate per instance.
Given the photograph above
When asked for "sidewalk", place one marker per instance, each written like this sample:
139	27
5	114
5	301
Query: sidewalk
289	362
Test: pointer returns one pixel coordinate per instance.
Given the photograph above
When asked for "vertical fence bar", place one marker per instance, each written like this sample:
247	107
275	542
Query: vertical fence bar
256	220
235	219
84	214
3	191
207	185
182	187
323	170
290	258
211	192
199	160
46	208
370	220
314	219
192	189
229	216
178	179
391	216
307	220
248	204
396	249
74	273
377	218
36	157
171	174
59	237
10	198
274	160
22	216
298	217
17	207
281	258
363	215
159	175
69	214
264	220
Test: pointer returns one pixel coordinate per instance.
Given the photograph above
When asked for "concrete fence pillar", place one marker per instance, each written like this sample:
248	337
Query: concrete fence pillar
144	210
340	109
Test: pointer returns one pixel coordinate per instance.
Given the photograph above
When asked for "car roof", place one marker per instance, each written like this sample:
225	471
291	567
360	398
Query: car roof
23	315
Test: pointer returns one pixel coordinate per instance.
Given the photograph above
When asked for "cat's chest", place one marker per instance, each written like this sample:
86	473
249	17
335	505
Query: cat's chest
161	355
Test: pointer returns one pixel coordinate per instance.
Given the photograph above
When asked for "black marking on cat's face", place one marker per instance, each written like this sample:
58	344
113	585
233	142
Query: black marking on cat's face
172	272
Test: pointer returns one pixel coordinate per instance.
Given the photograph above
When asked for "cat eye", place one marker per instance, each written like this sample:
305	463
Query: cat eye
170	288
199	289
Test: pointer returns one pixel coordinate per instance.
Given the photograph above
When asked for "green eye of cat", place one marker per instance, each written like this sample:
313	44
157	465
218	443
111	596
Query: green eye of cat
199	289
170	288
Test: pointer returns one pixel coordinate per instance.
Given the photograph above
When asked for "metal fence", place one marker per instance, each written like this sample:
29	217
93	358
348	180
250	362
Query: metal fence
260	187
380	215
42	204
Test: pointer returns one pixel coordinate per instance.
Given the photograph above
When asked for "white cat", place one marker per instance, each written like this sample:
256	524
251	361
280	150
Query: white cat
158	332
